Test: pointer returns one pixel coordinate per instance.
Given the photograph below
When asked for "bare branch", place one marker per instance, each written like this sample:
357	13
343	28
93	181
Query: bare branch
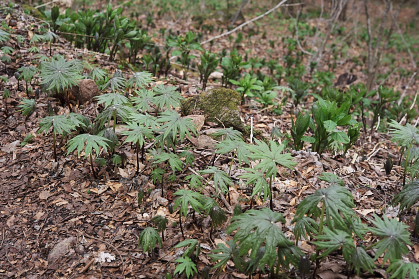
246	23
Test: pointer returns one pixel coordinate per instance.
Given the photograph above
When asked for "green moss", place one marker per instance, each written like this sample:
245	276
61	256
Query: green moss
220	105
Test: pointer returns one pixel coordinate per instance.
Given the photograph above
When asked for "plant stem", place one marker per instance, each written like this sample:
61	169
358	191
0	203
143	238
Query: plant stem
180	224
406	163
138	161
321	224
271	203
55	147
93	169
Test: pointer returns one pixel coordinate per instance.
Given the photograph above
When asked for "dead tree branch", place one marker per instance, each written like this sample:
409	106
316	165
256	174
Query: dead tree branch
246	23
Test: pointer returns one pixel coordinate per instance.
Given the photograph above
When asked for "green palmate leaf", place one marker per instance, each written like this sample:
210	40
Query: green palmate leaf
221	179
404	135
195	181
27	73
258	180
256	229
229	134
149	239
223	254
336	240
60	124
270	157
160	222
27	107
4	36
394	238
117	82
114	112
187	266
193	248
408	196
59	74
175	125
332	178
403	269
137	133
186	198
305	226
166	96
174	160
338	203
217	214
144	100
88	143
112	99
360	260
98	74
238	146
140	79
145	119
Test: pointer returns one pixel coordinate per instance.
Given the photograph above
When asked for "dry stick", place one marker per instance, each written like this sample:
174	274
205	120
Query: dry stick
412	78
46	4
411	107
244	24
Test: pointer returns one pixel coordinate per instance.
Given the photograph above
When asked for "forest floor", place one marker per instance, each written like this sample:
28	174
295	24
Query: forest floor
56	220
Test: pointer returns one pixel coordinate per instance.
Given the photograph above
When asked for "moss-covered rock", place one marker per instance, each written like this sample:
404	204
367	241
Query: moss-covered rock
220	105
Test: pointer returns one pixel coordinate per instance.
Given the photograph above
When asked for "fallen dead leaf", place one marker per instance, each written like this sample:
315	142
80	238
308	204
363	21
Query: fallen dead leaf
44	195
61	249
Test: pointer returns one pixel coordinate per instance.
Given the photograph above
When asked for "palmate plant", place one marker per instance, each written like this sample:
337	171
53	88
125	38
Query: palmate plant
114	112
221	180
4	36
138	134
258	243
269	158
140	80
186	266
27	73
27	107
144	100
117	83
188	199
186	263
175	128
407	137
60	125
166	97
161	223
149	239
59	74
88	143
